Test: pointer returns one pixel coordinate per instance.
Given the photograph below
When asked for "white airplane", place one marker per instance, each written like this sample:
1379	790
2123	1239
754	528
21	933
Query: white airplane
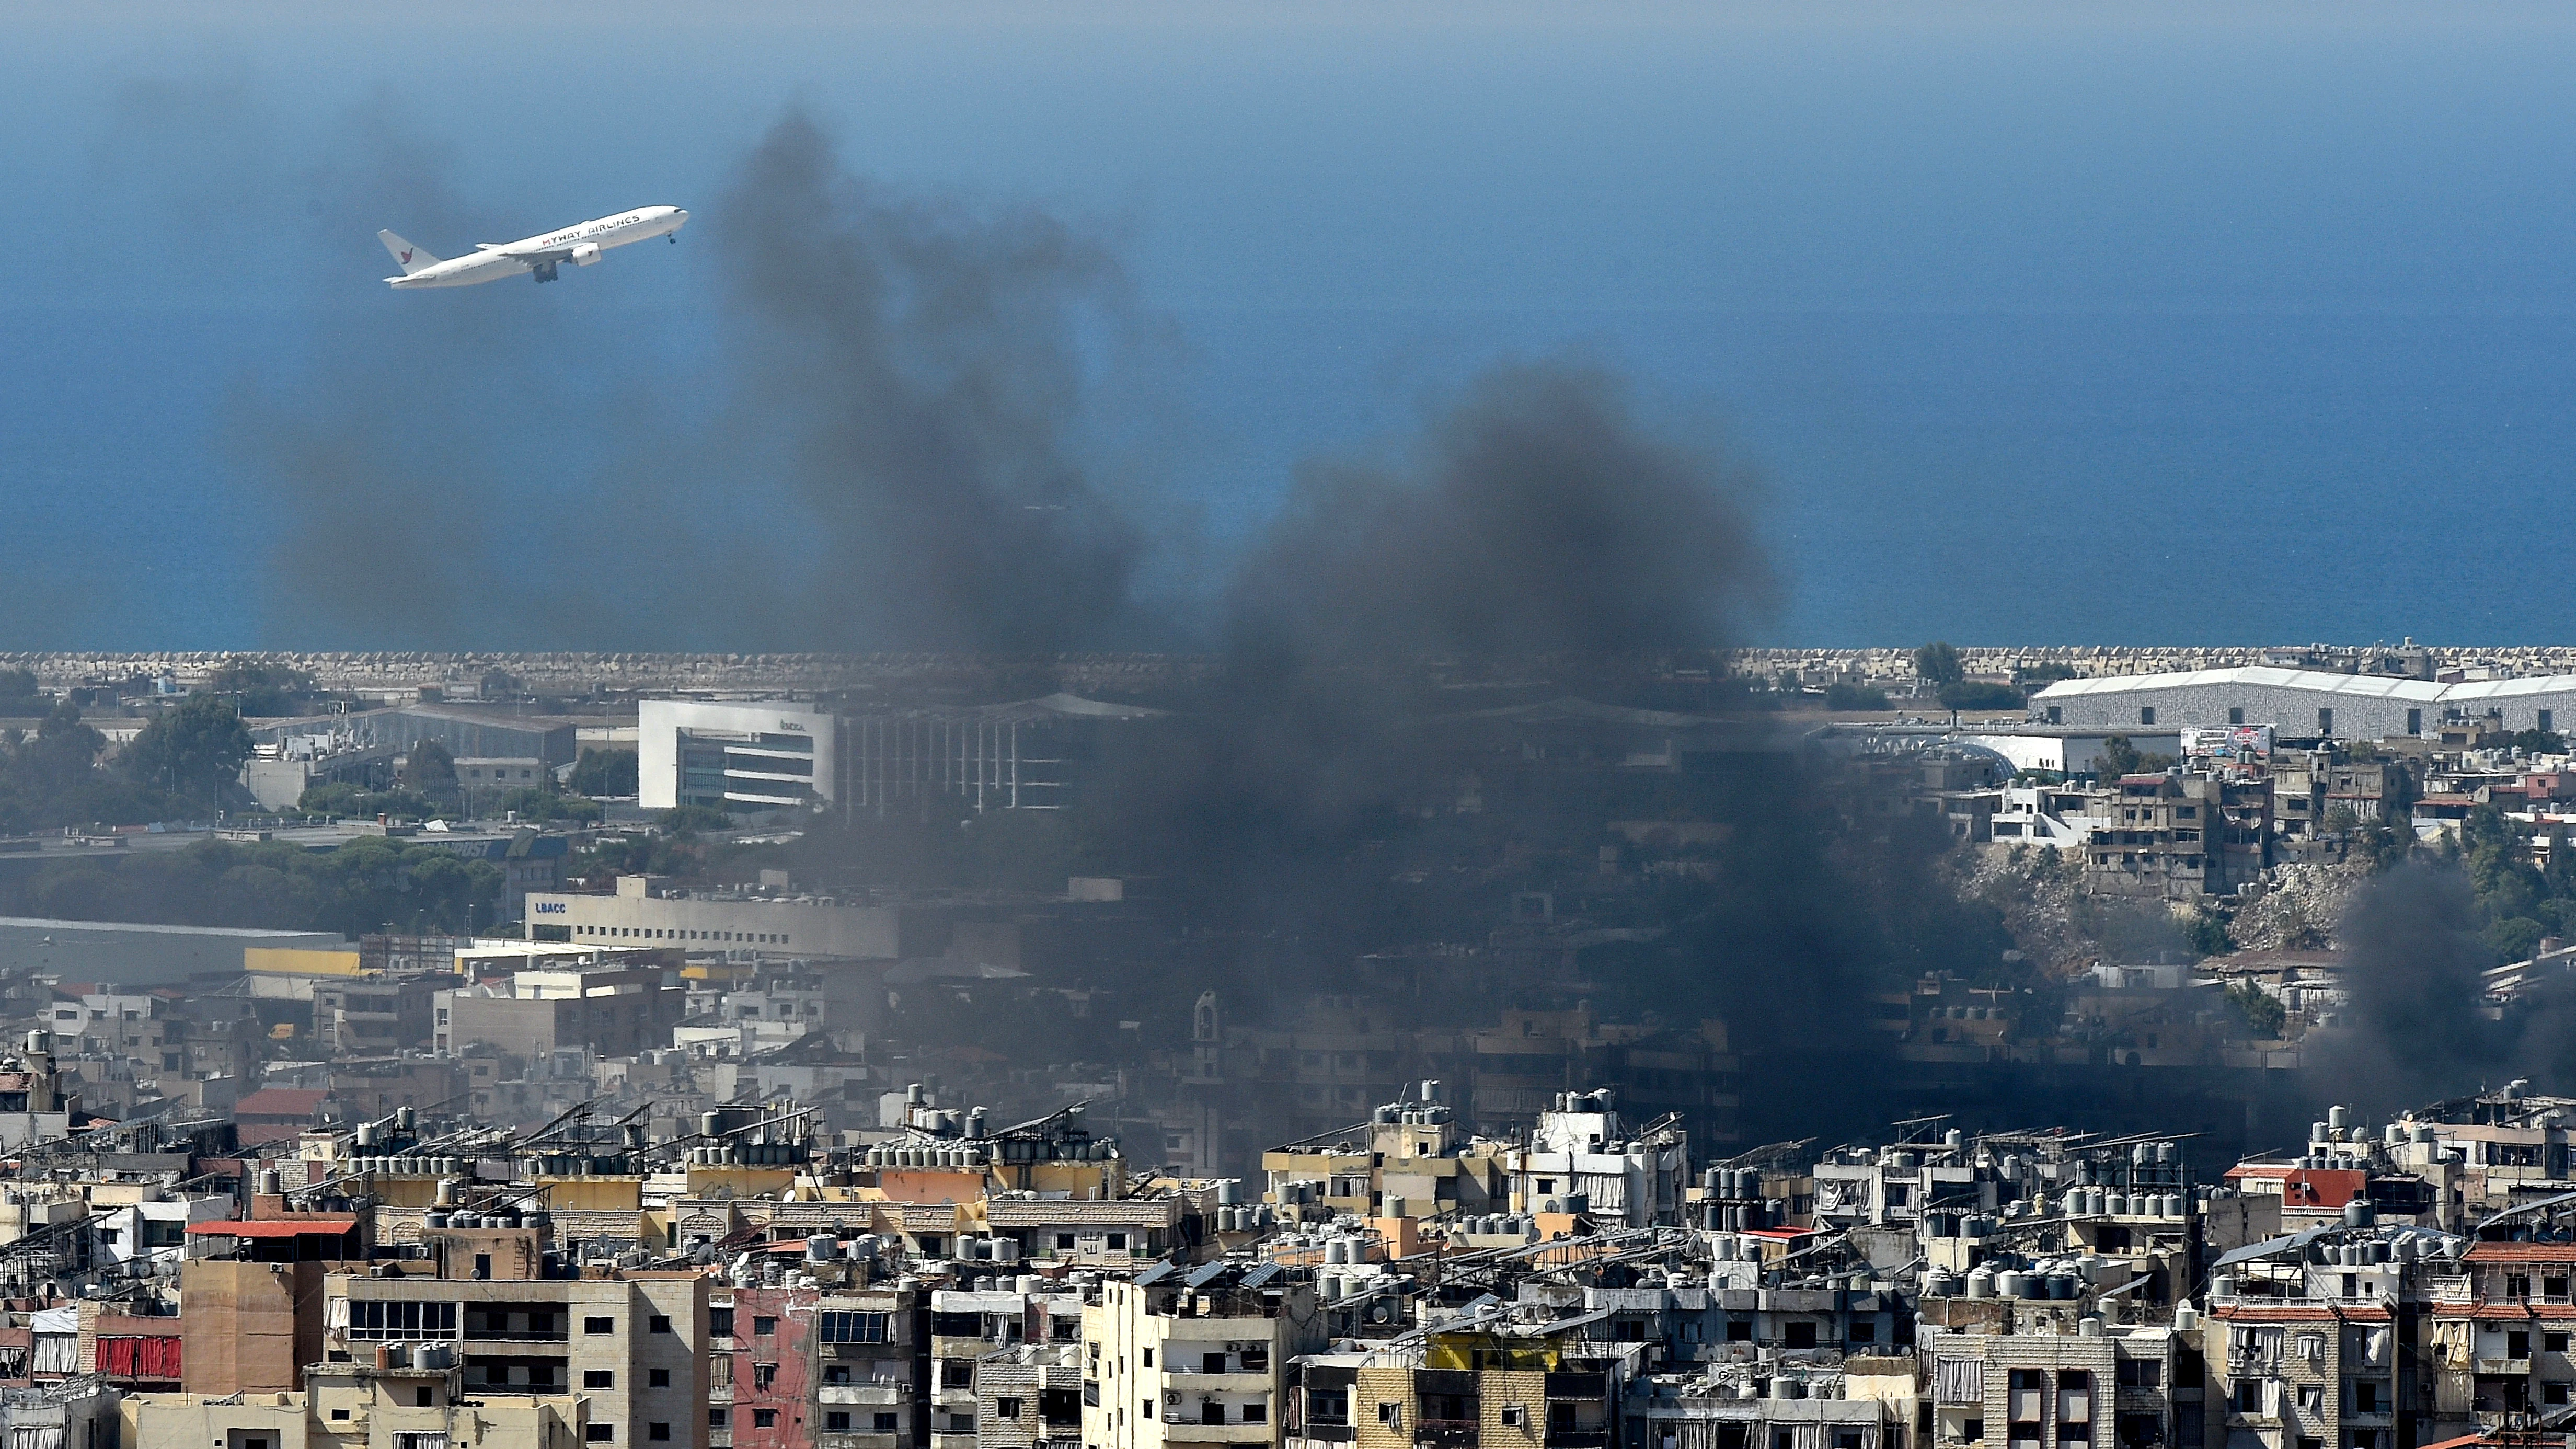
491	261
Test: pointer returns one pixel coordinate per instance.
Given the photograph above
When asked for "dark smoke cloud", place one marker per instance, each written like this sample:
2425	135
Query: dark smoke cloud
2412	959
915	367
2423	1029
1539	518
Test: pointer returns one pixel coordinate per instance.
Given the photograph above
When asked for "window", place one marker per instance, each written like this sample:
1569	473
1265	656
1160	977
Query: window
657	1431
764	1376
2554	1392
720	1322
884	1423
657	1378
1515	1416
1147	1409
2236	714
1260	1413
2554	1342
1739	1330
1799	1335
2517	1345
719	1418
2147	714
763	1325
483	1269
1064	1242
599	1325
2414	721
958	1373
1390	1413
2140	1373
1118	1242
764	1418
600	1433
1864	1330
1149	1358
1006	1408
2325	721
836	1423
2546	726
339	1413
598	1379
657	1324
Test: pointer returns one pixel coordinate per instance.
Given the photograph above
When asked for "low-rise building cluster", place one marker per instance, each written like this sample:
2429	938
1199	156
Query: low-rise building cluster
744	1278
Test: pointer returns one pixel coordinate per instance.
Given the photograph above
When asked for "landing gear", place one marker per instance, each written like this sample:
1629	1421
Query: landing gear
672	237
545	271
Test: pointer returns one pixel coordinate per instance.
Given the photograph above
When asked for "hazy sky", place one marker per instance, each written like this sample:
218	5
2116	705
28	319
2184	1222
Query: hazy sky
1984	291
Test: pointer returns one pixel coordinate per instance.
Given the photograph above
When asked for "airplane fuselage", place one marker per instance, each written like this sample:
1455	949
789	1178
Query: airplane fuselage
581	245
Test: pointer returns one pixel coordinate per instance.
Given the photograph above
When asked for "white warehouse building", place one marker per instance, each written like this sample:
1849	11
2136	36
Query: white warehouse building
2305	703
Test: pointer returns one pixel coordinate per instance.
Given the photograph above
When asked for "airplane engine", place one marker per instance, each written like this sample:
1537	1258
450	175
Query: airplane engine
585	254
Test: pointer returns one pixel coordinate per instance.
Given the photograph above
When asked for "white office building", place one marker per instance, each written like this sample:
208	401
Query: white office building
735	755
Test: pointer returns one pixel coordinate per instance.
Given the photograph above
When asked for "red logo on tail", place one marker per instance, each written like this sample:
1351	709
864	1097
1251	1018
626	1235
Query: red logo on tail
406	256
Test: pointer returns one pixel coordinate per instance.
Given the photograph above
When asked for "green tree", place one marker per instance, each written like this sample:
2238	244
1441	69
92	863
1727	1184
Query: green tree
261	688
2207	933
1854	697
1938	663
2262	1013
613	772
1975	694
194	751
2540	742
536	803
2118	757
690	820
19	698
429	771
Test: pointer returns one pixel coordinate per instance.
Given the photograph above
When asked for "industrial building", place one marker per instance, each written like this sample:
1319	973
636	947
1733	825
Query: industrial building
638	915
134	953
2307	703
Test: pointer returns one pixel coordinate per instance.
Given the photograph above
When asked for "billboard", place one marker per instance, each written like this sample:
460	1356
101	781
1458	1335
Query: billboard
2243	744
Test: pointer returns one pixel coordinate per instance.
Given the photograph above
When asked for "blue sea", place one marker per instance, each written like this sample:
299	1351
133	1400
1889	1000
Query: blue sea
2060	325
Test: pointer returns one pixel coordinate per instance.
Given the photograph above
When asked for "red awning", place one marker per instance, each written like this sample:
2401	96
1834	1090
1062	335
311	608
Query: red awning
276	1228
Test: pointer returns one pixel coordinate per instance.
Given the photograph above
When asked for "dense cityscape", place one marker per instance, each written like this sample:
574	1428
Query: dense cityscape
557	1050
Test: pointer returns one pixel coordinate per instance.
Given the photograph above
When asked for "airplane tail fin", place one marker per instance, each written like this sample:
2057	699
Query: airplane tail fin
410	258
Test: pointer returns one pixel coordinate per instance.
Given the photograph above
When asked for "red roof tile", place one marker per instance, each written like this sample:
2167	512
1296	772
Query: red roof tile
276	1228
2521	1253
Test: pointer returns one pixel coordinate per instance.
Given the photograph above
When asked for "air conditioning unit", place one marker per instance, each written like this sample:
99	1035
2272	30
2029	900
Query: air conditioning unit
1171	1398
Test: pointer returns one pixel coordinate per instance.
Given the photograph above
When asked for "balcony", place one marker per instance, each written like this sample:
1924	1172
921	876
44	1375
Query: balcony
1578	1439
943	1346
2510	1367
1183	1432
870	1396
859	1441
1445	1434
953	1441
1191	1381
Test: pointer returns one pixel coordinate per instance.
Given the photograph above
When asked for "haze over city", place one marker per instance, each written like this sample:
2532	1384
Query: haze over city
1410	726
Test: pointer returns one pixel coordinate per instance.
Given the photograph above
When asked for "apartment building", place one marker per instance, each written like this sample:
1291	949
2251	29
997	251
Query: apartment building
1196	1357
524	1323
1544	1387
2178	836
